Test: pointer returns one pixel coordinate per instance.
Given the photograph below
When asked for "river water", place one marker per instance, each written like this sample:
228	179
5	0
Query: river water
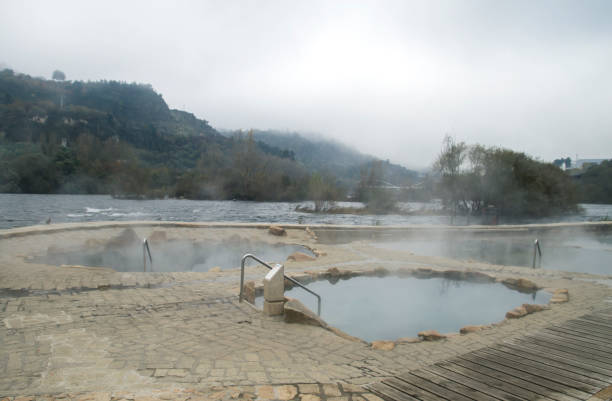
18	210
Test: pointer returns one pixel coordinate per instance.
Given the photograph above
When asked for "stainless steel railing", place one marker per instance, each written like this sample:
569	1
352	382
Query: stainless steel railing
145	251
536	251
250	256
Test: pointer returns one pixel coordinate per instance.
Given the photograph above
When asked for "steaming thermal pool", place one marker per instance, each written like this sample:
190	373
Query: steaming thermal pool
387	308
171	256
583	254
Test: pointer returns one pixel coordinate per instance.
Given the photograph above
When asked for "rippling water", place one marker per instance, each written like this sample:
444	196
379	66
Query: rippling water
17	210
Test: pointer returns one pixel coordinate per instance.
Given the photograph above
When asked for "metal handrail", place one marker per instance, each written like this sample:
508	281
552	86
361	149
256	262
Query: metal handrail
536	248
255	258
145	250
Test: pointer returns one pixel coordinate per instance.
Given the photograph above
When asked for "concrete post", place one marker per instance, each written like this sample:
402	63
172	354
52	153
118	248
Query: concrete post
274	291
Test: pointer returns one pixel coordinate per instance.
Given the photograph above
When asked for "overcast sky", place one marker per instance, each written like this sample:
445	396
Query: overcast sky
389	78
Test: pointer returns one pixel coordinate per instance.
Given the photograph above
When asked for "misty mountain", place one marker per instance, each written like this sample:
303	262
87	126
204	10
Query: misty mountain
36	110
122	138
327	156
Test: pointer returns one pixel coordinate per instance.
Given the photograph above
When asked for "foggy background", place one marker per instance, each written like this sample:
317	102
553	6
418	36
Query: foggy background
390	78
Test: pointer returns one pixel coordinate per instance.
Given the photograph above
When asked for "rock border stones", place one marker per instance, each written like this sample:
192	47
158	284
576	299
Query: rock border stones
277	230
296	312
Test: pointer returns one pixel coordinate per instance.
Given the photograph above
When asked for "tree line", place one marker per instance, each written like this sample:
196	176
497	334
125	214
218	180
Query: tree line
120	138
476	180
595	183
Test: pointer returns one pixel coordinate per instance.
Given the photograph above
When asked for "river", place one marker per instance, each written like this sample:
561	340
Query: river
18	210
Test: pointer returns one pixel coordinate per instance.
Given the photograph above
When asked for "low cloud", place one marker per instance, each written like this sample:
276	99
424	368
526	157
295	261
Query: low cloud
391	78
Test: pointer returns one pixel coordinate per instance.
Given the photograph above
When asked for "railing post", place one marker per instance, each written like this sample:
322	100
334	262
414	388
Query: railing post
242	276
294	281
145	250
144	255
274	291
536	251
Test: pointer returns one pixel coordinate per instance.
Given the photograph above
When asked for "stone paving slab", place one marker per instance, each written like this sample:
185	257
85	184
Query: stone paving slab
83	330
287	392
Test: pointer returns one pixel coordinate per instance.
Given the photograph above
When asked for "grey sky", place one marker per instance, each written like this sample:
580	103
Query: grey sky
390	78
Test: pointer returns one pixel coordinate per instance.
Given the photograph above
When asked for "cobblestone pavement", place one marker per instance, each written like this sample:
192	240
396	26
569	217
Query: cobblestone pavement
287	392
76	332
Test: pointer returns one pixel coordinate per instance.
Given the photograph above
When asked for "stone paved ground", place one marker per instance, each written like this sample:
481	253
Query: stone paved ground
287	392
88	332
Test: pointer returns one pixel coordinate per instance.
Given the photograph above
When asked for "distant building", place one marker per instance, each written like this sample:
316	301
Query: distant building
584	163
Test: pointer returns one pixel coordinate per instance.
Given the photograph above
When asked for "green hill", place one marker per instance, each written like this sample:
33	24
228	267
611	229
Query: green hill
122	138
330	157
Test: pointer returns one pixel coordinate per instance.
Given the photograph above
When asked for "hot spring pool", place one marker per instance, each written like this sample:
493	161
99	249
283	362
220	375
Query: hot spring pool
387	308
584	254
171	256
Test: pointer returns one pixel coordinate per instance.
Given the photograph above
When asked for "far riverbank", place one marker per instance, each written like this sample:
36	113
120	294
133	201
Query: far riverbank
19	210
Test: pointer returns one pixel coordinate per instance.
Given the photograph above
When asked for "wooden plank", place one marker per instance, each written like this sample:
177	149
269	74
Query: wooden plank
565	362
604	356
538	371
587	349
600	345
562	363
562	357
583	331
600	316
573	348
598	324
603	316
565	371
411	390
561	351
451	385
480	371
586	329
485	384
605	394
588	325
589	320
389	393
583	338
604	344
536	379
434	388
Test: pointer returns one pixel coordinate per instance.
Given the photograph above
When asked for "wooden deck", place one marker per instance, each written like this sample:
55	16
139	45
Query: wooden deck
571	361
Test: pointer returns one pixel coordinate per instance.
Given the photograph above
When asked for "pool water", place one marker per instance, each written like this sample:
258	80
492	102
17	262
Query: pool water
172	256
591	254
387	308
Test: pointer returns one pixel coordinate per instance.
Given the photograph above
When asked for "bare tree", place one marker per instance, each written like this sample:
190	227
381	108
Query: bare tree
448	165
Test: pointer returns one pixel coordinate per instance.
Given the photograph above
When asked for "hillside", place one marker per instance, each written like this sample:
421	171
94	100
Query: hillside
122	138
32	107
330	157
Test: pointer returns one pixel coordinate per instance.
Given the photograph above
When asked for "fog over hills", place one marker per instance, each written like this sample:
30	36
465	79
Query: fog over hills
110	136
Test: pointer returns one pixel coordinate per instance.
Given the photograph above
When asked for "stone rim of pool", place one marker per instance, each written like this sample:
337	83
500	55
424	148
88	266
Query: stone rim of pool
301	313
